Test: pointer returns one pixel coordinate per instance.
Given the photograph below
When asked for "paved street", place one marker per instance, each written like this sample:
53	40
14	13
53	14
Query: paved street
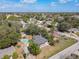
66	52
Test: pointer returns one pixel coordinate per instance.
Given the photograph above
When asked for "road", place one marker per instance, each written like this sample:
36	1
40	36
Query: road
66	52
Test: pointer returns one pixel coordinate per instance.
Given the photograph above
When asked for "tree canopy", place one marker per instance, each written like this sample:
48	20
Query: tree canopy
8	36
34	48
33	29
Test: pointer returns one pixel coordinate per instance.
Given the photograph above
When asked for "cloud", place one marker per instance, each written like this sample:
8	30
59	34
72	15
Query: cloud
53	4
20	4
77	4
9	5
28	1
64	1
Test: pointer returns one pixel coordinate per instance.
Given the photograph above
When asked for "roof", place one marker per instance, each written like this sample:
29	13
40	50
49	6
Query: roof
23	35
76	53
29	37
38	39
74	29
6	51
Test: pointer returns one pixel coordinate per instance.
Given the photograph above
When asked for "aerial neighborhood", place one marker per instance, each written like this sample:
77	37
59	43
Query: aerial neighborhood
39	36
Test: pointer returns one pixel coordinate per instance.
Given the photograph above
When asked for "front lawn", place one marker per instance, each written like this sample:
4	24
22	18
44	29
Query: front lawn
77	33
52	50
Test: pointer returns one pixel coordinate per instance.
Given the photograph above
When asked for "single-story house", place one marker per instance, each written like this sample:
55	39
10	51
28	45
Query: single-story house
6	51
56	34
73	30
76	53
41	41
24	25
23	35
39	22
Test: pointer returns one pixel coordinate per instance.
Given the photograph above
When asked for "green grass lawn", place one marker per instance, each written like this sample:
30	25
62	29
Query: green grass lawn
52	50
77	33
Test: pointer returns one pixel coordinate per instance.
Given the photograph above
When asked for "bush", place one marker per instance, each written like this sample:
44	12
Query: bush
15	55
50	40
6	57
44	33
34	48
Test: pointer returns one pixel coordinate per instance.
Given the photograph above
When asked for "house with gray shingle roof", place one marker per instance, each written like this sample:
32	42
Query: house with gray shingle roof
41	41
73	30
7	51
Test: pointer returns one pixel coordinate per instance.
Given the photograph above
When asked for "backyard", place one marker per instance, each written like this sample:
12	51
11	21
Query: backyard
52	50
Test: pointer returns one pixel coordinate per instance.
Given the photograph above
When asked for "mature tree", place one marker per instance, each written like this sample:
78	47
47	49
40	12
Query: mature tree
50	40
63	26
9	40
5	43
33	29
74	22
25	18
2	18
44	33
4	31
8	36
34	48
53	25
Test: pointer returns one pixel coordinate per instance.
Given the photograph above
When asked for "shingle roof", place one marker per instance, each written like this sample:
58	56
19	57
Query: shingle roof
38	39
6	51
73	29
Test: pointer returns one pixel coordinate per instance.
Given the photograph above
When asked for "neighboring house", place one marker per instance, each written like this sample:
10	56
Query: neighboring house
6	51
32	21
48	22
76	53
76	16
73	30
23	35
39	22
41	41
56	34
24	25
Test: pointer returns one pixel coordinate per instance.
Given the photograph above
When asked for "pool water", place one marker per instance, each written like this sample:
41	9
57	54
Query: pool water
25	41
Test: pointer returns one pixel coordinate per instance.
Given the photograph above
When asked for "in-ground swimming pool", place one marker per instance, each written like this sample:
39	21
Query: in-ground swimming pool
25	41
